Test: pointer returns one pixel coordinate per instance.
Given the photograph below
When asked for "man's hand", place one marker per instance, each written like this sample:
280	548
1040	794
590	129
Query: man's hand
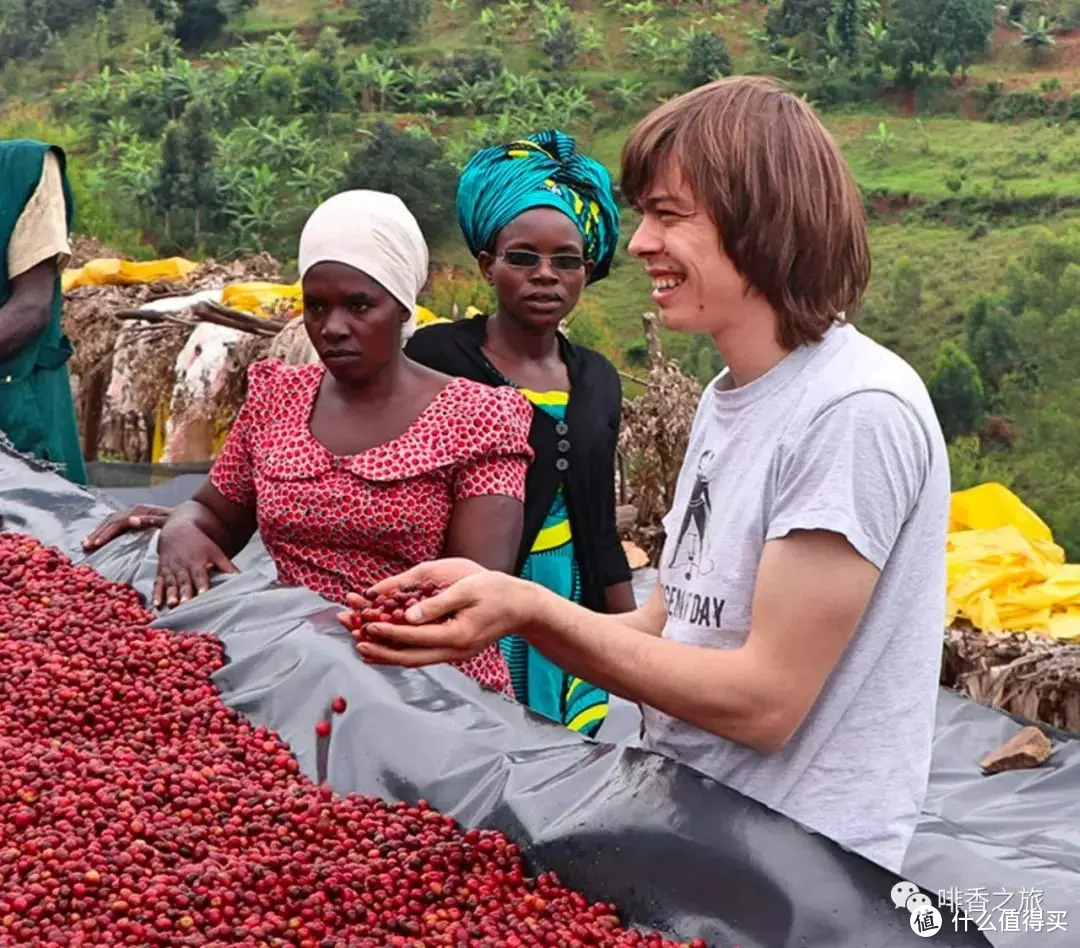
139	517
441	572
479	608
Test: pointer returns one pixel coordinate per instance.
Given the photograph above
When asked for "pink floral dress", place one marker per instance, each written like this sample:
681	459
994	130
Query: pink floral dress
337	524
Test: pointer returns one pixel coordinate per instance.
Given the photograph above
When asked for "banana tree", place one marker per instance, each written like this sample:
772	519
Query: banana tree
625	93
311	184
134	172
515	13
877	35
386	81
254	207
517	89
469	97
416	79
363	72
568	105
279	147
592	41
113	138
144	57
1037	36
645	40
488	24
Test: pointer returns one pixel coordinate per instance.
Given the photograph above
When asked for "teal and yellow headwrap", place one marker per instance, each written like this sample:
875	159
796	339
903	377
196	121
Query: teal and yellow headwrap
541	170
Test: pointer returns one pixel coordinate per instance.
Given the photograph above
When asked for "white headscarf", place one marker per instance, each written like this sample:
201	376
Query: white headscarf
375	233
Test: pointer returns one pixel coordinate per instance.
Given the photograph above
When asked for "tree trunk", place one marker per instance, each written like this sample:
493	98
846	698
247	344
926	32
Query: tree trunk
652	339
93	402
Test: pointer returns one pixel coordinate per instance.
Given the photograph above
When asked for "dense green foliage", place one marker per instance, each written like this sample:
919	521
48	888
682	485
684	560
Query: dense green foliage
708	58
27	27
412	166
215	126
957	391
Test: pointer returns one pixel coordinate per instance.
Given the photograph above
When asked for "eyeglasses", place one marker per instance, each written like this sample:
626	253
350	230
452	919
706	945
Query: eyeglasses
529	260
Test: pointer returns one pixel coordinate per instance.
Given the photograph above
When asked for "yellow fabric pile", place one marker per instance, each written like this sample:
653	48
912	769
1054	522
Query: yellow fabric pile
263	299
109	272
1005	573
255	298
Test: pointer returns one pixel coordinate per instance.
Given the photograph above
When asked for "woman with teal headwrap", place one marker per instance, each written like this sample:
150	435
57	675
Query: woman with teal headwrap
542	221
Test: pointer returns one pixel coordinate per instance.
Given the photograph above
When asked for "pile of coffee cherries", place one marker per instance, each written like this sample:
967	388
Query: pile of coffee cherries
137	809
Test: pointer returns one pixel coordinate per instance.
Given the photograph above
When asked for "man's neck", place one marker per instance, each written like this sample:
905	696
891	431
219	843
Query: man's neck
749	344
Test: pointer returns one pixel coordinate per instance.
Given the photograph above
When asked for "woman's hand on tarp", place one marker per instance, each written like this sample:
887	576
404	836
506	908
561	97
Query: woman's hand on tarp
139	517
186	556
478	608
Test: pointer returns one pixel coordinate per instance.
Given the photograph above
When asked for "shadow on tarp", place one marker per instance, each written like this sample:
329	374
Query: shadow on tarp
674	850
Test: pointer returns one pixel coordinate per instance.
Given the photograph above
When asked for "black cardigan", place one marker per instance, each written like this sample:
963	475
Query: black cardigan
588	446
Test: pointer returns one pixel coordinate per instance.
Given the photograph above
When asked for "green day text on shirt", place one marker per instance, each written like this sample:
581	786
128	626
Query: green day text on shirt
694	608
839	436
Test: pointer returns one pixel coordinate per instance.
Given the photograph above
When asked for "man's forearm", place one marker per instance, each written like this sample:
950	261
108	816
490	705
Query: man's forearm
721	691
20	324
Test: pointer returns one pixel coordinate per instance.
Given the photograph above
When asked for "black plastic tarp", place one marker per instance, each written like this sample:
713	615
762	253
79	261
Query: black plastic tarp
674	850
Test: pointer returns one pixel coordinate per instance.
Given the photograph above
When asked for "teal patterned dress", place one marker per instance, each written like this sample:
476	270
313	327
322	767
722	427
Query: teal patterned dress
539	683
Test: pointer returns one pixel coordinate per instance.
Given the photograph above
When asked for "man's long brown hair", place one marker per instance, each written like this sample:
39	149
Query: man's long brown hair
789	214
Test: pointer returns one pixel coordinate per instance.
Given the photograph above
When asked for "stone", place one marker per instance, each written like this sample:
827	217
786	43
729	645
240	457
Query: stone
1027	749
636	557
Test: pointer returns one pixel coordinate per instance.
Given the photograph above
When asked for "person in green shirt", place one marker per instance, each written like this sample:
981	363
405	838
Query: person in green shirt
37	413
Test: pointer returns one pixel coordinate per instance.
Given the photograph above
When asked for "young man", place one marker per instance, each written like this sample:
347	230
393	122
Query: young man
793	649
37	415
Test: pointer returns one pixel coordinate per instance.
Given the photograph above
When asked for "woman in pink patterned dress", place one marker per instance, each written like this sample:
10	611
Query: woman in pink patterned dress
367	463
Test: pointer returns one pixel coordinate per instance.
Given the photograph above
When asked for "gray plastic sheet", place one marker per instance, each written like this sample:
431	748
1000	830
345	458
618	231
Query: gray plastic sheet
1000	844
676	851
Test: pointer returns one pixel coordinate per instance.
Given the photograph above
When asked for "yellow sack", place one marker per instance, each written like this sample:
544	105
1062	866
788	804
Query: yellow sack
992	505
1065	625
1004	571
263	299
110	272
161	419
425	317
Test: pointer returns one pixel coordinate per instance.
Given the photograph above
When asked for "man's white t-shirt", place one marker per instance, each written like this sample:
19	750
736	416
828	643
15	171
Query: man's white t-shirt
839	436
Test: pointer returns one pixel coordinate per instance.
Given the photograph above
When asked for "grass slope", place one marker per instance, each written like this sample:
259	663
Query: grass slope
928	159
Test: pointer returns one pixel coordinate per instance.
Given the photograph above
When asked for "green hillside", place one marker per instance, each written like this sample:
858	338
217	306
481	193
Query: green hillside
212	127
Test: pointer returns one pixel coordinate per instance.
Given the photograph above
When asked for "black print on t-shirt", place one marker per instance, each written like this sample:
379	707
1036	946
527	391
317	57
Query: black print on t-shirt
693	608
695	525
